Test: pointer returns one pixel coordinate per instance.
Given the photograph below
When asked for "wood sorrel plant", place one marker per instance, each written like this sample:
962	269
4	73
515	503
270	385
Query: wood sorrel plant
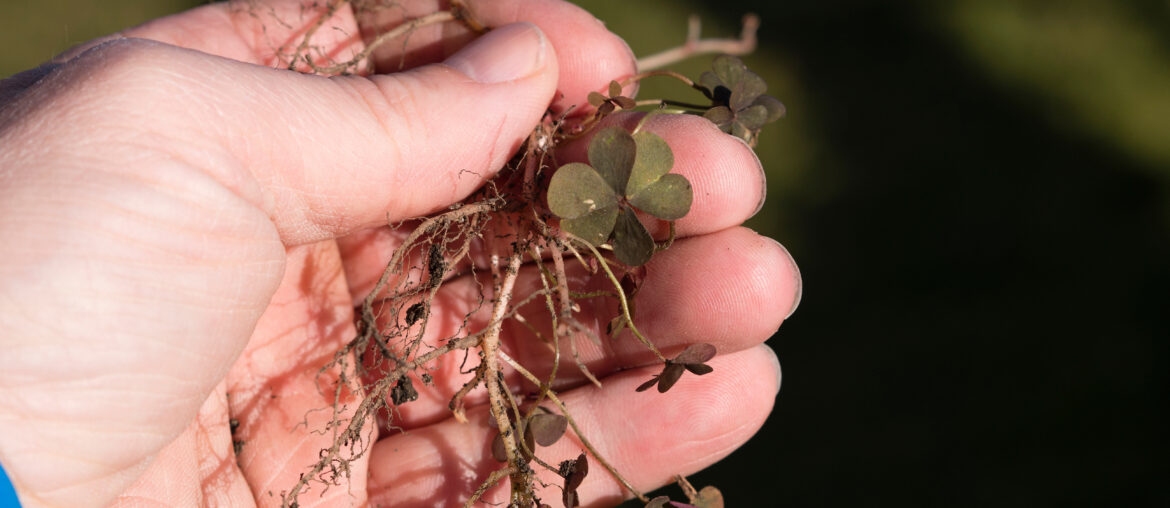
534	211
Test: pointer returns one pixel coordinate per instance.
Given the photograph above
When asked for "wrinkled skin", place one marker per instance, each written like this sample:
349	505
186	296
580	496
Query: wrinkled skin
184	232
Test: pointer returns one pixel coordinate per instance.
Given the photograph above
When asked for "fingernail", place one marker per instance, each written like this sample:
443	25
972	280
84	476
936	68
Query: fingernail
506	53
775	364
795	275
763	177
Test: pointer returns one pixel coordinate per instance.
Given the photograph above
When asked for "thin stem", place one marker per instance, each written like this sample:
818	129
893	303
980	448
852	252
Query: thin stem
746	43
650	74
667	102
491	480
573	423
622	298
414	24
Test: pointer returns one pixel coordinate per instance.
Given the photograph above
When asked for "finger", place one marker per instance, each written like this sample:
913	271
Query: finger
647	437
259	32
280	394
321	157
590	55
681	303
269	32
725	174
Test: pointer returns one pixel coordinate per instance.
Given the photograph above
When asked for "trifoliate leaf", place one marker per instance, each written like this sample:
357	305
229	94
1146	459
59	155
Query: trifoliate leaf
653	160
632	244
611	153
668	199
576	190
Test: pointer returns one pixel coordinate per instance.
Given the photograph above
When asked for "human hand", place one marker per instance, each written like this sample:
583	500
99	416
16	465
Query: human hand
180	225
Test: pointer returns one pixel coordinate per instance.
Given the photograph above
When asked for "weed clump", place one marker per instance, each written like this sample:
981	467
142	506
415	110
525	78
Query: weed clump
544	214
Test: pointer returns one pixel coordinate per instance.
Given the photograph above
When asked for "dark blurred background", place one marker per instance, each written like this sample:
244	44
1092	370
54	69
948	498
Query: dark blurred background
978	194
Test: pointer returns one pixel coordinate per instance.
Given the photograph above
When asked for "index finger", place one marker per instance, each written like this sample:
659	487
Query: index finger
269	32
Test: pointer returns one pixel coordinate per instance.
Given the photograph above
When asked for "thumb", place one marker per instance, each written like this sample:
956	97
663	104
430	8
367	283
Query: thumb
115	166
327	156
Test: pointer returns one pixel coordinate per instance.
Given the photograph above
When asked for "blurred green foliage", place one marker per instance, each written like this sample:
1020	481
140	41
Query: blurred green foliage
977	193
33	31
1101	67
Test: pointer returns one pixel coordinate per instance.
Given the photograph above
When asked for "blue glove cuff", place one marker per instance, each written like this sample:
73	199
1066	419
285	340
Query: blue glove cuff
7	493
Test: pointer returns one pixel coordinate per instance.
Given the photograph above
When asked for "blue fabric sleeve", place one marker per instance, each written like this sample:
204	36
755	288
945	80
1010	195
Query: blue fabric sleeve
7	493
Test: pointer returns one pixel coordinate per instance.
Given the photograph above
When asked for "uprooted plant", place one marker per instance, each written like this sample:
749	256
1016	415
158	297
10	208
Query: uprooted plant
541	213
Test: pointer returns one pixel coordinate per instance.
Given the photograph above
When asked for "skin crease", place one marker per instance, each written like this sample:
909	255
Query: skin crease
183	233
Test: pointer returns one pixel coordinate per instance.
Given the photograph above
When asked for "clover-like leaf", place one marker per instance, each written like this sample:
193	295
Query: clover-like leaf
586	204
692	359
740	106
607	104
595	200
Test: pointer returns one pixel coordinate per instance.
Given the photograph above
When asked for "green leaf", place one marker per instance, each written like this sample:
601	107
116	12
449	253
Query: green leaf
753	117
668	199
653	159
632	244
775	108
593	227
576	189
721	116
729	69
611	153
744	93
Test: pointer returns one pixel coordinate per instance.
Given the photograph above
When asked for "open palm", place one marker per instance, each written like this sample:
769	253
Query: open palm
185	236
